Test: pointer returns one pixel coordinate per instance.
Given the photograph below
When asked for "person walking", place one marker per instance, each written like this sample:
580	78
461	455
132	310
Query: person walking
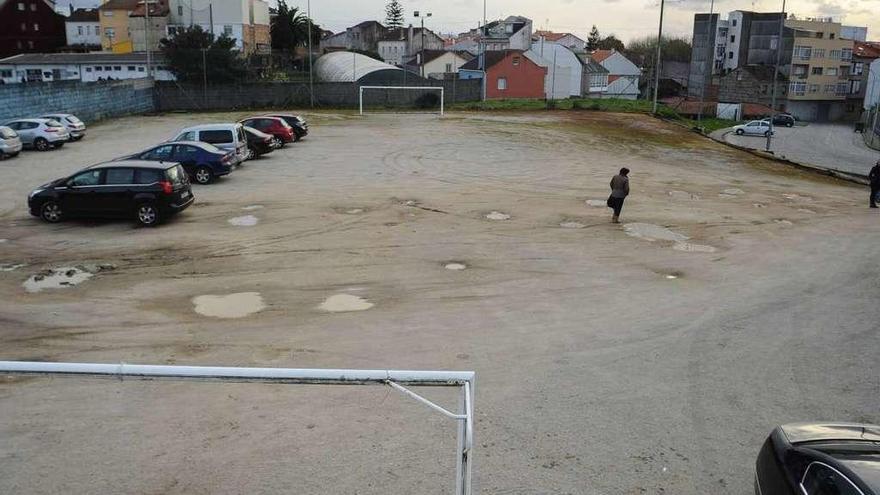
874	178
619	192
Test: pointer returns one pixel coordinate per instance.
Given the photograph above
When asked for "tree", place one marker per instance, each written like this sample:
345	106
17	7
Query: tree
674	49
394	14
193	54
593	39
610	42
290	28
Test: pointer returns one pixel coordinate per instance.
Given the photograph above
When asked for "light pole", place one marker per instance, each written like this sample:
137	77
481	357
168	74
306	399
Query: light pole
711	36
657	60
311	81
421	55
779	47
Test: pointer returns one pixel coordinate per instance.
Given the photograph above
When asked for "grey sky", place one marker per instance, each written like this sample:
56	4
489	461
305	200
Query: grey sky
625	18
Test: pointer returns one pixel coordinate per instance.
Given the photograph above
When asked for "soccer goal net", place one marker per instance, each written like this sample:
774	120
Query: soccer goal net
411	98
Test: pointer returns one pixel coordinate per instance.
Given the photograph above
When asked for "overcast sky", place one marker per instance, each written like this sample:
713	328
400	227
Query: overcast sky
627	19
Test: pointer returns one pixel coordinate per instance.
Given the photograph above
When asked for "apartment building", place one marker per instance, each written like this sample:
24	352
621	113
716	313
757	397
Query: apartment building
83	29
148	30
245	21
29	26
364	36
864	54
399	45
819	70
113	18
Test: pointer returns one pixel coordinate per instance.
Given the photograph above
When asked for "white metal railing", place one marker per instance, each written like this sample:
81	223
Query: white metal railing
393	378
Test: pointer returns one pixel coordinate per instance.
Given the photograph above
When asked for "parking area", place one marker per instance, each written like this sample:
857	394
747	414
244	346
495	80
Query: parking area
648	357
830	146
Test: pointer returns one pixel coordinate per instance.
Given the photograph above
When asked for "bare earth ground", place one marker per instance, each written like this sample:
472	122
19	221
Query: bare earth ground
606	363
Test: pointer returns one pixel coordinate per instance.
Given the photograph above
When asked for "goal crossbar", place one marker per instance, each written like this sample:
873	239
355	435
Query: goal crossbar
464	380
362	88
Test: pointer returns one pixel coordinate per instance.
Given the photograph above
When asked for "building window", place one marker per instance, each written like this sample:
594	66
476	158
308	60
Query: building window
7	73
227	30
97	30
846	54
21	6
820	35
18	44
730	55
37	28
140	69
79	30
831	71
88	69
814	88
117	67
855	87
180	10
110	32
732	40
98	68
817	71
829	88
108	13
516	60
23	26
802	52
841	89
831	36
835	54
734	25
31	45
798	88
448	67
818	53
857	68
502	83
108	68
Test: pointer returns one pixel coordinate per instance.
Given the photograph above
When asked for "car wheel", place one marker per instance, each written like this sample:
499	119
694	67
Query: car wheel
296	137
203	175
51	212
739	132
147	214
766	133
789	124
41	144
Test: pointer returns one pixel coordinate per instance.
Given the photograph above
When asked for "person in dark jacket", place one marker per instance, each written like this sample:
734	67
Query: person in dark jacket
619	192
874	178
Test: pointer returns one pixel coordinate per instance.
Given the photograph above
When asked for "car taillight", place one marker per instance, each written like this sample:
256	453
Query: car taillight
166	187
51	129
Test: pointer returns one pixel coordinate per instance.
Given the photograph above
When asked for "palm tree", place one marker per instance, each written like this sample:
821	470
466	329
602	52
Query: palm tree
290	28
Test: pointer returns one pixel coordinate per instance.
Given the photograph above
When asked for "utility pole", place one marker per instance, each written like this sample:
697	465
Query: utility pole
211	17
484	32
147	34
711	36
311	81
657	60
420	57
779	47
204	77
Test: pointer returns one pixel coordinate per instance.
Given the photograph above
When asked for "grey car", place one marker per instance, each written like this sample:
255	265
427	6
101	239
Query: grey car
76	127
40	134
10	143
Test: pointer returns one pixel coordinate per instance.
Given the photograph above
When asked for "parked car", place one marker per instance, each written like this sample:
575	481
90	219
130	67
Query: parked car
300	127
785	119
202	162
276	127
753	128
229	137
820	459
147	191
10	143
259	142
40	134
75	127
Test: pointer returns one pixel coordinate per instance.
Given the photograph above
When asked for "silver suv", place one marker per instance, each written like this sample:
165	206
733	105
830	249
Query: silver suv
40	134
10	143
75	127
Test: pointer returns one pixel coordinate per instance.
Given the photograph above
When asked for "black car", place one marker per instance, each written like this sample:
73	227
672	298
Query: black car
147	191
784	119
299	124
820	459
203	162
259	142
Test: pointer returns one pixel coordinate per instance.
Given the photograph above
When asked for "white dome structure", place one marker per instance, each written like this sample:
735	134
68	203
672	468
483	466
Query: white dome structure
352	67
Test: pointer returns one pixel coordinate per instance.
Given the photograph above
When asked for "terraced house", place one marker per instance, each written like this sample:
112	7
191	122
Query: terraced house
820	70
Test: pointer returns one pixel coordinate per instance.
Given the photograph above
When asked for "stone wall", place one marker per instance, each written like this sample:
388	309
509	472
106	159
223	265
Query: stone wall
173	96
88	101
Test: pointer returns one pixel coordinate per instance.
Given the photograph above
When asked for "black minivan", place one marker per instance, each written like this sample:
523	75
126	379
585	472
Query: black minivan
147	191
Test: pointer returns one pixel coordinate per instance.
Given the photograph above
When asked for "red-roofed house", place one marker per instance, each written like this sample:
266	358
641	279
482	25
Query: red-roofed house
623	75
864	52
567	40
509	74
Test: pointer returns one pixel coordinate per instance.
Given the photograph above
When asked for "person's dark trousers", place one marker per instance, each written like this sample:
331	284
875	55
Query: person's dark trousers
875	189
617	205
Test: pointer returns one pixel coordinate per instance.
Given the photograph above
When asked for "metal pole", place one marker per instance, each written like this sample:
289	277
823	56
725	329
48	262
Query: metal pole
311	80
422	55
211	16
553	78
710	48
204	77
361	100
147	34
657	61
442	97
779	47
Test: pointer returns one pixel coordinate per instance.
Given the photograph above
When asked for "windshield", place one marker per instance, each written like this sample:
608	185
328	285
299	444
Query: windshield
7	133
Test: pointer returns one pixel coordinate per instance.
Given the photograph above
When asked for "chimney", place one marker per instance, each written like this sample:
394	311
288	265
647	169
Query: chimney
409	40
71	8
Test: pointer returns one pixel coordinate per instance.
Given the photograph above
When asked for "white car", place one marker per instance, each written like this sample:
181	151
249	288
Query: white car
753	128
75	127
40	134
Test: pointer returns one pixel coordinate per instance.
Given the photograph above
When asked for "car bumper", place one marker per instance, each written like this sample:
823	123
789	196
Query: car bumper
10	149
178	207
77	133
60	138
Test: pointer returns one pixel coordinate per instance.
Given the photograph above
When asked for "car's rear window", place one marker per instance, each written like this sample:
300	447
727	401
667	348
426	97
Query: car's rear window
147	176
7	133
73	119
176	175
54	123
216	136
119	176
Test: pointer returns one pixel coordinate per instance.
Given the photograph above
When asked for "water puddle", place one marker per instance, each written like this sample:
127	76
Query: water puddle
340	303
683	195
572	225
244	221
651	232
597	203
804	210
354	211
671	277
694	248
782	221
497	215
56	278
252	207
759	205
796	197
10	267
726	196
733	191
237	305
4	240
455	266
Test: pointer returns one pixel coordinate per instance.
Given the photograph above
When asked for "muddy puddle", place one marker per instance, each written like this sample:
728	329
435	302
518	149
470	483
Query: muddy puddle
596	203
651	232
252	207
57	278
11	267
455	266
497	216
236	305
690	247
341	303
683	195
572	225
244	221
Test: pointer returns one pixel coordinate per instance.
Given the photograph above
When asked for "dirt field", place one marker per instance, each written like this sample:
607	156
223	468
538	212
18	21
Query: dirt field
610	359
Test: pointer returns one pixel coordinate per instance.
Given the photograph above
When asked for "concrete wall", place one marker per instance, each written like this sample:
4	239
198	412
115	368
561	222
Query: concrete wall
88	101
170	96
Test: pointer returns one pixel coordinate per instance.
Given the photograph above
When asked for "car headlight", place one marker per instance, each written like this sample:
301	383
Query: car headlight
35	192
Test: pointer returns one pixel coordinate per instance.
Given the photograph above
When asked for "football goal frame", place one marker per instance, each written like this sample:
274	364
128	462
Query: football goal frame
419	88
396	379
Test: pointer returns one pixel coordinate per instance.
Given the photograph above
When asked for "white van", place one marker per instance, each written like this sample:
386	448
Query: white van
229	137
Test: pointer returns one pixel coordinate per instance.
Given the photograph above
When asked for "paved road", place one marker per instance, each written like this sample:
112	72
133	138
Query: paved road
832	146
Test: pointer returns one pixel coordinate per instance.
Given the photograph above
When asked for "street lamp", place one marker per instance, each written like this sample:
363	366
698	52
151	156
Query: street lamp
657	60
779	47
421	57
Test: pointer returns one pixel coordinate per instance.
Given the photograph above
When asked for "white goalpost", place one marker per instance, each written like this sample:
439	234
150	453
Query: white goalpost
417	88
396	379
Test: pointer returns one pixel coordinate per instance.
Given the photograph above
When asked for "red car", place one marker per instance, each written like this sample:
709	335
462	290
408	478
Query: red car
274	126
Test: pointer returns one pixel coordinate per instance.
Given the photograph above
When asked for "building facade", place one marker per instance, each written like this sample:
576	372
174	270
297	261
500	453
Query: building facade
399	45
437	64
30	26
565	70
509	74
364	36
819	72
567	40
245	21
594	81
86	67
83	29
864	54
623	75
148	30
113	17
